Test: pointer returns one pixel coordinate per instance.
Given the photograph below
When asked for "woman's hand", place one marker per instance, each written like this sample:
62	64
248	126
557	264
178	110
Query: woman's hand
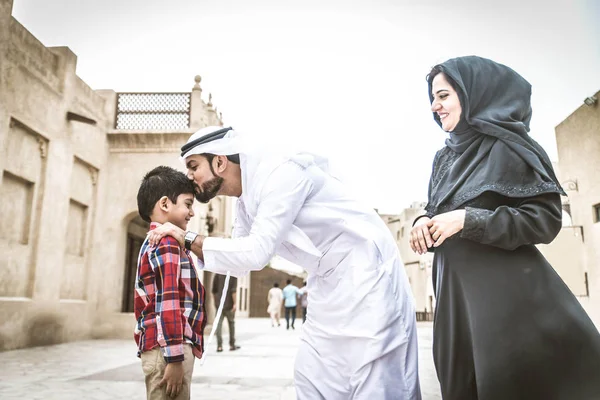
444	225
167	229
420	238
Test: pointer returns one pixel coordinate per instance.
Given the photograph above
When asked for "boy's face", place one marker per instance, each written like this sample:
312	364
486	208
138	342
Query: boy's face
179	214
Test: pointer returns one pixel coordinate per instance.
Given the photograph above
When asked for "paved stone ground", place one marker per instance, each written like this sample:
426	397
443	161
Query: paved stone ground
108	369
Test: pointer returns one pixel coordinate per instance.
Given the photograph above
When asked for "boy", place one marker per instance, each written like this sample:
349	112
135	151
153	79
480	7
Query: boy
169	298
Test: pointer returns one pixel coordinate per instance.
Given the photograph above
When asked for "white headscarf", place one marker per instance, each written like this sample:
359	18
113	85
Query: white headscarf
236	143
232	143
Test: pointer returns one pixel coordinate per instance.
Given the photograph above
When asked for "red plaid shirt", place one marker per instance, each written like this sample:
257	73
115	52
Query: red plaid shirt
168	300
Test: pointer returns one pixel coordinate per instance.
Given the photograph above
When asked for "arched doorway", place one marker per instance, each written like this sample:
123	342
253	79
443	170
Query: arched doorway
136	233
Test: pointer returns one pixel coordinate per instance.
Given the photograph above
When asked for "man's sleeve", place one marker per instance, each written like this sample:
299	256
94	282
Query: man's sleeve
165	263
280	202
238	229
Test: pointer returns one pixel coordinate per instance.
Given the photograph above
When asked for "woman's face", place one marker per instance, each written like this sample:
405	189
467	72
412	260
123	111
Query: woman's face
445	102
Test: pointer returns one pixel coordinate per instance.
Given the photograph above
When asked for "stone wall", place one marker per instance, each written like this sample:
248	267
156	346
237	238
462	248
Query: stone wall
49	184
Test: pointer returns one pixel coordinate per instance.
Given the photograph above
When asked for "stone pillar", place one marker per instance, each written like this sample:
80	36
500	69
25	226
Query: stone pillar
211	114
110	106
197	106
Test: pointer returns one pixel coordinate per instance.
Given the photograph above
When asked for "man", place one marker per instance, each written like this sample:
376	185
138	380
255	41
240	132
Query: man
303	292
361	339
228	309
290	292
275	299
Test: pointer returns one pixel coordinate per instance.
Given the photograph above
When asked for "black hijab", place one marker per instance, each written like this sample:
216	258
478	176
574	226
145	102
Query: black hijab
491	143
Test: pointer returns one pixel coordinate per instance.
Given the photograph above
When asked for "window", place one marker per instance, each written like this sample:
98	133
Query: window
399	234
597	213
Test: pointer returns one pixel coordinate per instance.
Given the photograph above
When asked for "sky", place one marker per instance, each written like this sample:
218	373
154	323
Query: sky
344	79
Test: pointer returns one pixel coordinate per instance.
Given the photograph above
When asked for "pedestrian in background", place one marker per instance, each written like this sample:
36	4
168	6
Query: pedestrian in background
303	293
275	299
228	309
290	293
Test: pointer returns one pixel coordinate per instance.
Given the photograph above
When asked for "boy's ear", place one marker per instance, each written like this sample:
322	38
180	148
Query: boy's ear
164	203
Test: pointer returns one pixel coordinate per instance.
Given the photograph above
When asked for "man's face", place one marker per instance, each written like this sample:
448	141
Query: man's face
201	172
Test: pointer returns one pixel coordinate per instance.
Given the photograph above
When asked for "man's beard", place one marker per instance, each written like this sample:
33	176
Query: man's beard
209	189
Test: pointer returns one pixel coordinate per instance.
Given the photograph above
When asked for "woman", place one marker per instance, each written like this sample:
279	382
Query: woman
506	326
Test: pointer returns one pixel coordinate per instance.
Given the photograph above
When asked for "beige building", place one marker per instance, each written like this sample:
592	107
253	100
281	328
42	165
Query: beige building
578	142
71	162
418	267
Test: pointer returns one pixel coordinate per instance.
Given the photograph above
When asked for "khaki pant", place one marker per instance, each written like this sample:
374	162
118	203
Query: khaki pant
153	365
230	315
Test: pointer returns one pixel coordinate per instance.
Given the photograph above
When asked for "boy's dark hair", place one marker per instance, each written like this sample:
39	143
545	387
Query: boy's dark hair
289	281
161	181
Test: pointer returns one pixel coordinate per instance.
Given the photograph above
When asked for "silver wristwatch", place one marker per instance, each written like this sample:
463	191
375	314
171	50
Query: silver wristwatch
189	238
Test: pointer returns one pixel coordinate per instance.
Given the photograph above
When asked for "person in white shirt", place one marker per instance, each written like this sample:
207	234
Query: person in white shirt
303	293
360	341
275	298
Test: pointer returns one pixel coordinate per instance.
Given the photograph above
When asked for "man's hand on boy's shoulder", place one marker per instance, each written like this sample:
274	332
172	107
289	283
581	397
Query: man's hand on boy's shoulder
173	378
167	229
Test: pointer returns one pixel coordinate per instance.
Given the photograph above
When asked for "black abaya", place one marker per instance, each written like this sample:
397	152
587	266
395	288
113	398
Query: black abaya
506	326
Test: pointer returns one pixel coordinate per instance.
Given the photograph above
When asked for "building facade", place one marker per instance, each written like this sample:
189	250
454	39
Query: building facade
578	143
418	267
71	162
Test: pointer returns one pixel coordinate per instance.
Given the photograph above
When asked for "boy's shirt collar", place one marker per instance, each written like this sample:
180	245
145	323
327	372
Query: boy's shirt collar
154	225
